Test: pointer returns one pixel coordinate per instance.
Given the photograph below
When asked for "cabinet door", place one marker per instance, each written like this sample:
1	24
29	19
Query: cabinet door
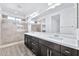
56	50
54	53
78	52
25	39
29	42
43	50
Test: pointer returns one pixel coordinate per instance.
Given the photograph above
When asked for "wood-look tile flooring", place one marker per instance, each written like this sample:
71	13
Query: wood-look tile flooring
15	49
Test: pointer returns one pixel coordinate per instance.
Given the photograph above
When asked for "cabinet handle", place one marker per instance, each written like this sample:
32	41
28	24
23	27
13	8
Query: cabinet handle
33	50
48	52
67	51
33	43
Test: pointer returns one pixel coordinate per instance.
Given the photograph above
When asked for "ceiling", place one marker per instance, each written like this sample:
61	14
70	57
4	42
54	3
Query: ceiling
22	9
56	9
26	9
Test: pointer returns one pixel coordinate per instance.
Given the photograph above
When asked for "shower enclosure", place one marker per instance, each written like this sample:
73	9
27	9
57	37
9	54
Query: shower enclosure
10	30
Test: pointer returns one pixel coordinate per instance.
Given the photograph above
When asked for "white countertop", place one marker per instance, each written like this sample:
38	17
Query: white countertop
65	40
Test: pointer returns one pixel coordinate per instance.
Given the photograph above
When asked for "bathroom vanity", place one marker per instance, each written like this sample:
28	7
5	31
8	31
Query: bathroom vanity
46	44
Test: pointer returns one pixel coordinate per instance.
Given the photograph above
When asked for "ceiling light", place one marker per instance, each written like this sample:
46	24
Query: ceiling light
57	4
34	14
49	4
54	5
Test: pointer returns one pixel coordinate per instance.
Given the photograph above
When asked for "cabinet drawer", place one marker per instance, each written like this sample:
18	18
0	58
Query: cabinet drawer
35	48
35	39
68	51
35	44
50	45
46	43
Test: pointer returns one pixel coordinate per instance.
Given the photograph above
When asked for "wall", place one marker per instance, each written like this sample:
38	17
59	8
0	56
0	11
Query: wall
69	24
68	20
0	29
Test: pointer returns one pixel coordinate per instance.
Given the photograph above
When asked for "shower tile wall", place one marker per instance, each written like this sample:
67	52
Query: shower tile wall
9	32
36	28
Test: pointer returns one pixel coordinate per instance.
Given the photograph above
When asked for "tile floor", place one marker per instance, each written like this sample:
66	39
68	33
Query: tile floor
15	49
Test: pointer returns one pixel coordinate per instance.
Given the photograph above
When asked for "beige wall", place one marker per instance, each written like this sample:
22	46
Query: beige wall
36	28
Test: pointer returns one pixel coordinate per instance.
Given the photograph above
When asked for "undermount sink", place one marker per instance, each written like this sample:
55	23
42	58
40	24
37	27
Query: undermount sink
55	37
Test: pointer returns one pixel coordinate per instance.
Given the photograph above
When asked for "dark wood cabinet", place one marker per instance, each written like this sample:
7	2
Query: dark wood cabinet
32	44
42	47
